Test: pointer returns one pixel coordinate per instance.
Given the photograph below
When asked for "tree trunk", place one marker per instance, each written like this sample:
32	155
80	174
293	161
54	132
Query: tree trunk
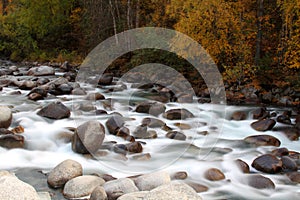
114	21
260	12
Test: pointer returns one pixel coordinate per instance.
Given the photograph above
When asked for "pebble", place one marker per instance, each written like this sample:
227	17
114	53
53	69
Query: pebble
262	140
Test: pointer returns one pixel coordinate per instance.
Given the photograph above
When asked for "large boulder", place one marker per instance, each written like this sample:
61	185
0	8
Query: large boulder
55	110
41	71
64	172
91	134
82	186
5	117
14	189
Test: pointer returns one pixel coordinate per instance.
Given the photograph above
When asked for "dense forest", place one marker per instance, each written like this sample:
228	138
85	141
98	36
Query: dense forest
245	37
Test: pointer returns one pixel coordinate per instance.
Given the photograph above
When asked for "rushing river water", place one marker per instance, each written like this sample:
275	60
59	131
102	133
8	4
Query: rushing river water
47	143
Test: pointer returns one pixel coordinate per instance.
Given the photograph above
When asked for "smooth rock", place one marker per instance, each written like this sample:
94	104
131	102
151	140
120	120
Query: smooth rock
263	125
243	166
5	117
119	187
294	177
64	89
288	164
98	194
114	123
134	196
259	113
214	174
150	181
82	186
262	140
267	163
105	79
55	110
78	91
41	71
64	172
178	114
134	147
283	119
11	141
27	85
260	182
152	108
173	191
95	96
35	97
238	116
197	187
14	189
153	123
176	135
179	176
280	152
91	134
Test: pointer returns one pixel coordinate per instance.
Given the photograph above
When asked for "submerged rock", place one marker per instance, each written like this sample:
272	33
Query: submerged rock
55	110
5	117
64	172
260	182
267	163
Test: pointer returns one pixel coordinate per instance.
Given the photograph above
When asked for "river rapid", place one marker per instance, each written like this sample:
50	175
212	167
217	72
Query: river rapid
213	141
